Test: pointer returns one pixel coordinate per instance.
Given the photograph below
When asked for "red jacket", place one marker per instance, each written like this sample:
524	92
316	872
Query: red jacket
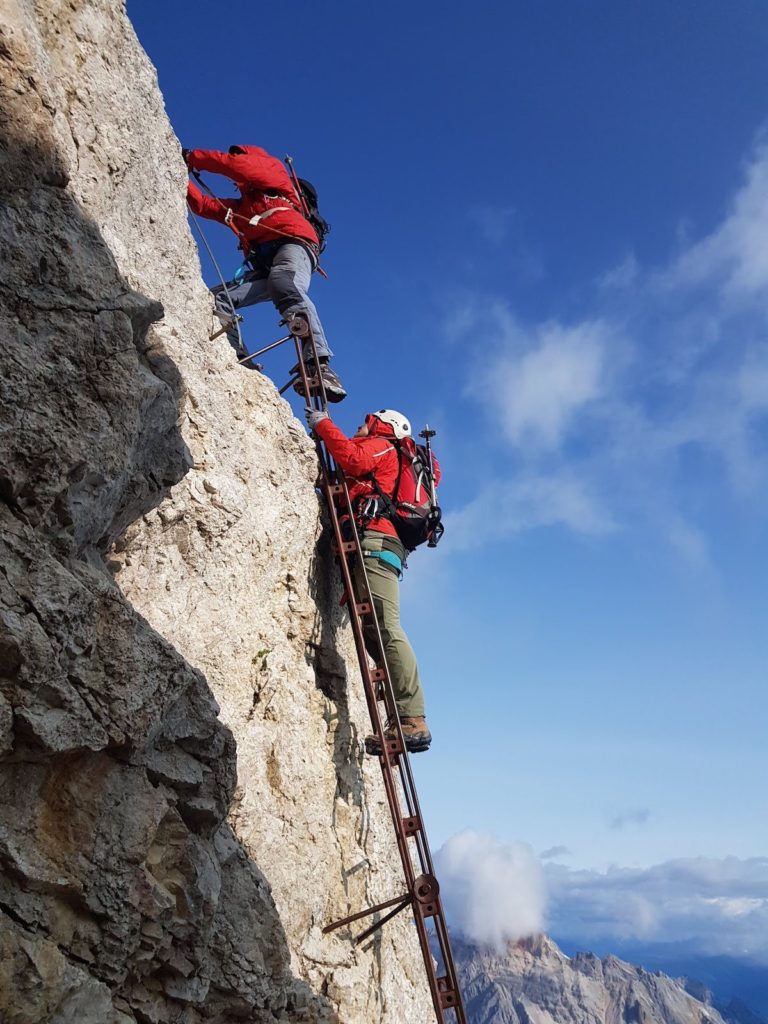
360	456
265	185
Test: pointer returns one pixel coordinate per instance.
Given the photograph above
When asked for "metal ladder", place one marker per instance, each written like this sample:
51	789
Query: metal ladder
422	892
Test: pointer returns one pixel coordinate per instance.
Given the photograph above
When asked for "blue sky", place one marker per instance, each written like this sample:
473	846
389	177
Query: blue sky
549	240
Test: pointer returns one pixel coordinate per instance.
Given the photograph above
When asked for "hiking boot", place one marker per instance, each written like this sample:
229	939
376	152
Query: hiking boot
334	389
416	736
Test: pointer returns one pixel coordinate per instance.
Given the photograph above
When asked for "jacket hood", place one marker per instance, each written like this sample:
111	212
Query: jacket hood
378	429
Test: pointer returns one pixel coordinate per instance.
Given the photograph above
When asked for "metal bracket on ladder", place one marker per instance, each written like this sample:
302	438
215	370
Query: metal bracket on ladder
423	891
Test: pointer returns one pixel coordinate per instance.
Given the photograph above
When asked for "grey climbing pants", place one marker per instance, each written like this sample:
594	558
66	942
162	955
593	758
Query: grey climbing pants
286	284
401	661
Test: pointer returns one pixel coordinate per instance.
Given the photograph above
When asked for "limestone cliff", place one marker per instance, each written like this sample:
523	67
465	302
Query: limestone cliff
184	800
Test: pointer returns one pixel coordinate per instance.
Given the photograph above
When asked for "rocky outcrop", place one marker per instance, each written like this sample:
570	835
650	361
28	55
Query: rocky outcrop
184	802
534	982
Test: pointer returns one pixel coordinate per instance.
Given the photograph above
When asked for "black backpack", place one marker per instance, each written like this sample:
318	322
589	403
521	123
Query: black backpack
410	509
315	218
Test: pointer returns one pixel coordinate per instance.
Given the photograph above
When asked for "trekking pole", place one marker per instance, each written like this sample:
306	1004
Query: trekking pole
304	205
435	514
297	186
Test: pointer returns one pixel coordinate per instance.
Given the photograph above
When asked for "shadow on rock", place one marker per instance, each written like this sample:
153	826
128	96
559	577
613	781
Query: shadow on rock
331	676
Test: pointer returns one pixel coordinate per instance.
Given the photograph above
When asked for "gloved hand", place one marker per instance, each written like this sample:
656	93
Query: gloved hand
185	156
315	416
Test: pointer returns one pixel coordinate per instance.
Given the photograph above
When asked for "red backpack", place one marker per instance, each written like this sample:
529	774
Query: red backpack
412	507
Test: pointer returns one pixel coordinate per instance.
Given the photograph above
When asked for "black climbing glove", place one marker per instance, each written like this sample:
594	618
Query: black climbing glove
185	156
315	416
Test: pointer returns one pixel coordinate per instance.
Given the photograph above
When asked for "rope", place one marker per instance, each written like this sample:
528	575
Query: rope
235	316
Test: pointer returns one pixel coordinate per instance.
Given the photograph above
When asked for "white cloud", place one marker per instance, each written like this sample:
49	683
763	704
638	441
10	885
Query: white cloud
712	906
524	503
493	892
537	384
734	256
555	853
636	412
622	276
634	816
687	539
493	222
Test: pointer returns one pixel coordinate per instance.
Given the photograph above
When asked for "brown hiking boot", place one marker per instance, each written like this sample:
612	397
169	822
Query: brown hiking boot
334	389
415	732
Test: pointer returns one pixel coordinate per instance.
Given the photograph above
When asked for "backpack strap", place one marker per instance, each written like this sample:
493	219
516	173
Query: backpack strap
389	502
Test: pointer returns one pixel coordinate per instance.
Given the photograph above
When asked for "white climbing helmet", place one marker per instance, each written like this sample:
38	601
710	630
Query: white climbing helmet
400	425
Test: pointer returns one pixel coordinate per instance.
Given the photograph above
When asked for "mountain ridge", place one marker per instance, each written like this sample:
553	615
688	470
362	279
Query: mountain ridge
532	981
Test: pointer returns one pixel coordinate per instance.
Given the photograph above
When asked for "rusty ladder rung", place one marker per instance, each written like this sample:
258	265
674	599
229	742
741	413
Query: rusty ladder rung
448	996
412	825
351	918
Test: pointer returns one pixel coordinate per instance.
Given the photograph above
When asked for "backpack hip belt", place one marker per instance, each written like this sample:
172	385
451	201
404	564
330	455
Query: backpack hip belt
388	557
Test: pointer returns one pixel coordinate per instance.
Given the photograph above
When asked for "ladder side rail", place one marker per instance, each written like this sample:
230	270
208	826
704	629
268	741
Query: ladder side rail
373	708
320	402
443	938
387	761
346	573
371	698
409	791
349	585
367	596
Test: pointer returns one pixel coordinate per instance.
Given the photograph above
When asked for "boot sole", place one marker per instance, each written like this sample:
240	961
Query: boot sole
330	393
373	748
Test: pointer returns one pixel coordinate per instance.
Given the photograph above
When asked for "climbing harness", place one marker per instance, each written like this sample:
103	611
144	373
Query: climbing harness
422	892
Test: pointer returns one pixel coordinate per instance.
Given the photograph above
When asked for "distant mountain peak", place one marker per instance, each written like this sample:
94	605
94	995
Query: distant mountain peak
531	981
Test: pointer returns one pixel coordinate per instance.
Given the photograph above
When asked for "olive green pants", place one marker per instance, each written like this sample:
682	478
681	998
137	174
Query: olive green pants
401	661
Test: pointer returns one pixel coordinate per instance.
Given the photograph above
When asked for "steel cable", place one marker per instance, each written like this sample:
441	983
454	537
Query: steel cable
235	316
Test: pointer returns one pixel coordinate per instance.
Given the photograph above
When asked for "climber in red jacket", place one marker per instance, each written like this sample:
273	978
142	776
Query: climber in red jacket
281	246
371	453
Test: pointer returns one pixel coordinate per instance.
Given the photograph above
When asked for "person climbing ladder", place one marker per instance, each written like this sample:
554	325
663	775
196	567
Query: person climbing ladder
372	463
280	243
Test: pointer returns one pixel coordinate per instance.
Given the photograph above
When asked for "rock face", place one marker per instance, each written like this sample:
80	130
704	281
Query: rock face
534	982
184	802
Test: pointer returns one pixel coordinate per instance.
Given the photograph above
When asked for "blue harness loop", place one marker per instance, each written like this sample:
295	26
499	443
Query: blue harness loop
387	556
240	273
